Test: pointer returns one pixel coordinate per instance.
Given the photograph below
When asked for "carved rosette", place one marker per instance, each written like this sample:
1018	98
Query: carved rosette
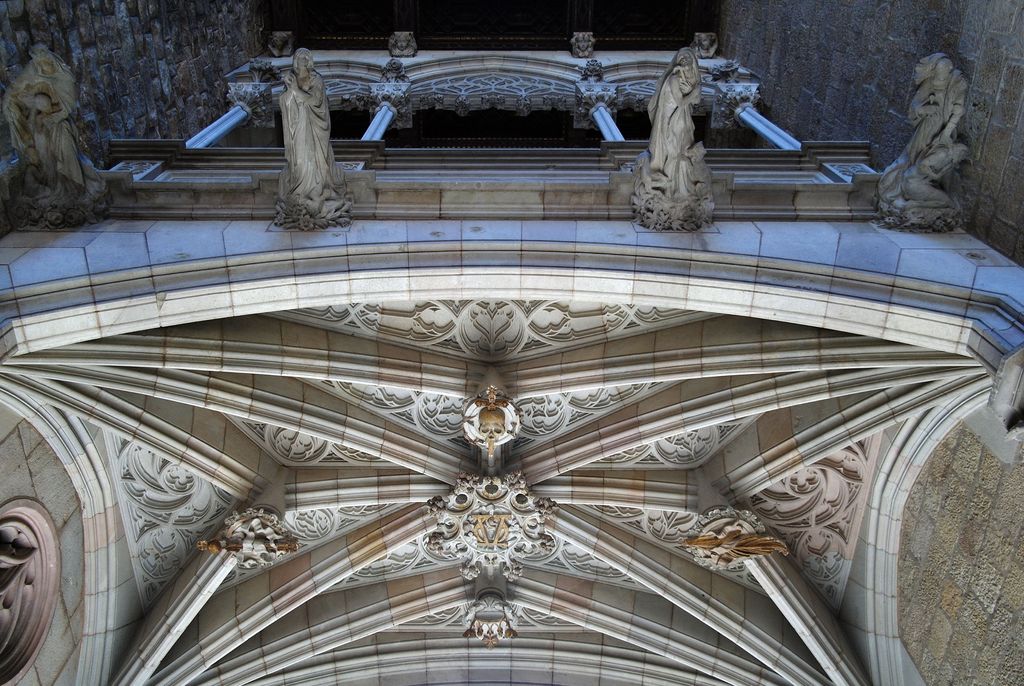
402	44
490	522
393	71
29	584
582	44
491	419
724	537
255	537
255	99
491	619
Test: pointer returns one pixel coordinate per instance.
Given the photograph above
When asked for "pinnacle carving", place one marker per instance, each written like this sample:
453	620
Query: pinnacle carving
491	522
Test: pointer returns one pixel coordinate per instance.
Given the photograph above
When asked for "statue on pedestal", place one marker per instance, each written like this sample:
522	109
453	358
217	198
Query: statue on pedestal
672	185
52	186
312	193
913	193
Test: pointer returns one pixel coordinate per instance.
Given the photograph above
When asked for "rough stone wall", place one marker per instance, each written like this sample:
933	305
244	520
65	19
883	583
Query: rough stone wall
843	70
145	68
31	469
961	567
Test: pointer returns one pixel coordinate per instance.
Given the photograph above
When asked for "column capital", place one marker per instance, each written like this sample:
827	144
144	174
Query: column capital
396	95
590	94
256	100
729	99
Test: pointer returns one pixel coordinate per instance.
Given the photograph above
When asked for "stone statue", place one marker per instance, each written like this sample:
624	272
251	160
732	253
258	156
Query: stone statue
53	186
312	193
672	185
705	44
913	193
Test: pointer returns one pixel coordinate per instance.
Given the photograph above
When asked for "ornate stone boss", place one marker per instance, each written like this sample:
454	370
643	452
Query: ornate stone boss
492	522
255	537
723	538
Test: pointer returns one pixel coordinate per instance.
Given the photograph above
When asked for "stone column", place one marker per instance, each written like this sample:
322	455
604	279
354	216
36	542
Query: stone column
748	115
251	105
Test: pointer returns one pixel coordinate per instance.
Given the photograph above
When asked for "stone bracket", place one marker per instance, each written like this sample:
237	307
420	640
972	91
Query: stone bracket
727	101
1007	397
589	94
395	94
256	100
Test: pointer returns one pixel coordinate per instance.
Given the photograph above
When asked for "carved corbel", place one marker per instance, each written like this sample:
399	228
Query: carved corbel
724	537
396	95
402	44
582	44
256	100
590	94
729	98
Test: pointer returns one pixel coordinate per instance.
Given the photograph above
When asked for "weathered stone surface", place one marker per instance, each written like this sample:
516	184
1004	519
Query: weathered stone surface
961	577
835	71
143	69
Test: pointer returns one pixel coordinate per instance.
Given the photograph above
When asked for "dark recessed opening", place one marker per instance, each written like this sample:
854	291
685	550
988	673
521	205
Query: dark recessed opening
492	129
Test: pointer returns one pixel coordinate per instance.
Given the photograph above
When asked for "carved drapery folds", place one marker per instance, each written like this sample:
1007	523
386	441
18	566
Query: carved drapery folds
724	537
913	193
672	184
52	186
29	583
255	537
491	523
312	193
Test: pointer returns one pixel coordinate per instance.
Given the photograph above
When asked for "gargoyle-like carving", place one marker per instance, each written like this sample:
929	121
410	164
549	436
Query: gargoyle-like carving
582	44
312	192
913	193
723	538
402	44
705	44
255	537
52	186
672	183
490	522
281	43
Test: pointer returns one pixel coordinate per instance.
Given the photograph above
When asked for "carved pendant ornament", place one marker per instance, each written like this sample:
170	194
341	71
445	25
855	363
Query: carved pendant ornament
490	420
255	537
490	522
724	537
491	619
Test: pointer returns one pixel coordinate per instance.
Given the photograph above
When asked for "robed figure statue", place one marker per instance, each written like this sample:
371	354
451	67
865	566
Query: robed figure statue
312	192
672	184
913	193
54	185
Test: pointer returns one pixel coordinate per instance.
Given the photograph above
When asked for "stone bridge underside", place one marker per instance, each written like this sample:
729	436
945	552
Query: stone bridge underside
343	411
